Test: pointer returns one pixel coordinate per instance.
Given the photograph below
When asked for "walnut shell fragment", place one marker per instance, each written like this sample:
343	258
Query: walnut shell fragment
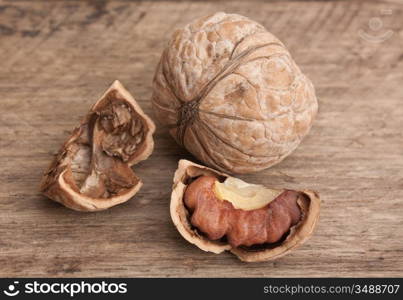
230	93
92	171
188	172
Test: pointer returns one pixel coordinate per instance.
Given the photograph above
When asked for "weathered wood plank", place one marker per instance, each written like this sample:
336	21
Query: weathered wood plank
57	57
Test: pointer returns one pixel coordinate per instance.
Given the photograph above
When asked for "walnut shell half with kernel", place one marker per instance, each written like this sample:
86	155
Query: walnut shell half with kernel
92	171
231	94
217	212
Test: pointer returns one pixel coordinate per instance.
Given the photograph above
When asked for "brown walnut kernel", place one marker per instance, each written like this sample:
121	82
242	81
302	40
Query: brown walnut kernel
218	218
92	170
231	94
215	225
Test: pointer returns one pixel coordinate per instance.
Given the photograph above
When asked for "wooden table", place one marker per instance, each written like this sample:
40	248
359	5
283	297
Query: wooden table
56	59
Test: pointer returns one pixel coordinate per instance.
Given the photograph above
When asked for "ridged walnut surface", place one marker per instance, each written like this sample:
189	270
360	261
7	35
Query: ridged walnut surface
232	95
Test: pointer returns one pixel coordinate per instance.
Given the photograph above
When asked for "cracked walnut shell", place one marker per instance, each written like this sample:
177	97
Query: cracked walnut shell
92	170
230	93
285	222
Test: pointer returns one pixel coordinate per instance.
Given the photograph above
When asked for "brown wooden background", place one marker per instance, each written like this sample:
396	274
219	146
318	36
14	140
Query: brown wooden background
56	59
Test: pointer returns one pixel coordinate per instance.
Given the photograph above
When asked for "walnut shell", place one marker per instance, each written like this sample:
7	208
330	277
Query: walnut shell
230	93
298	234
91	172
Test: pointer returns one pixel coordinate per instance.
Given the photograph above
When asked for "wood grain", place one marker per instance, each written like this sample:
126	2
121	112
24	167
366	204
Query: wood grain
56	59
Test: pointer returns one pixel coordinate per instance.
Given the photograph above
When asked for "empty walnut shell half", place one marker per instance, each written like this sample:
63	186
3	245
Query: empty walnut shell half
231	94
252	234
92	170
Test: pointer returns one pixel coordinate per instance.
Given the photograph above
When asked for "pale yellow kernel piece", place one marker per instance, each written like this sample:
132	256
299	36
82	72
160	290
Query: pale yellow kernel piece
243	195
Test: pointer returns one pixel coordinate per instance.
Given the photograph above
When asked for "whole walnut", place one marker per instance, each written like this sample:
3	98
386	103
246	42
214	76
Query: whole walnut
231	94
